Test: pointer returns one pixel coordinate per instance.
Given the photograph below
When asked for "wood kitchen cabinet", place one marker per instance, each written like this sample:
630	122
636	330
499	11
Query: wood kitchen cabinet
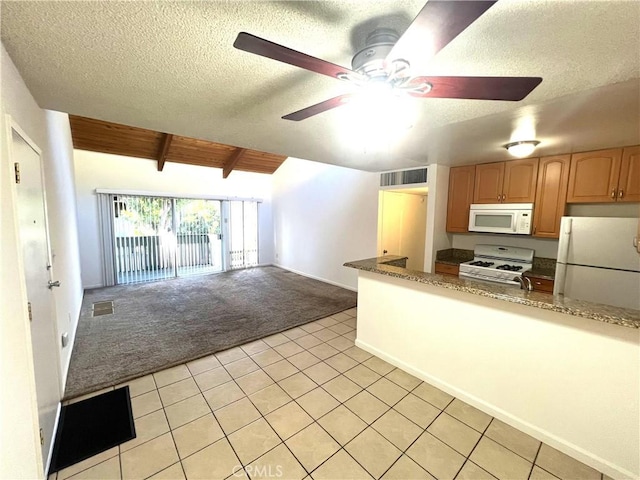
540	284
461	181
629	182
488	183
551	195
447	269
506	182
605	176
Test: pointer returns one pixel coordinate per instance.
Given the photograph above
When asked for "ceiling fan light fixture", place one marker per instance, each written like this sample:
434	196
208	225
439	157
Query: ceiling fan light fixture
522	148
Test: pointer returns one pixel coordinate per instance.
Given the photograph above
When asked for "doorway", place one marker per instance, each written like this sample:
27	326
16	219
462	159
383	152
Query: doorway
36	253
402	225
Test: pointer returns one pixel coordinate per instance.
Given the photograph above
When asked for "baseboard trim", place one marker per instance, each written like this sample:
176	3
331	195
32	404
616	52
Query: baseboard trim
550	439
348	287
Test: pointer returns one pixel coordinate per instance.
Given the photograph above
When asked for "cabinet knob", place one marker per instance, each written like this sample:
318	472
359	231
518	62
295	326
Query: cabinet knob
620	193
613	193
498	197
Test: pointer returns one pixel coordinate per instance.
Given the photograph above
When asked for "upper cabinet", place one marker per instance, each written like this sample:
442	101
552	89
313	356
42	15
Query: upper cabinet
605	176
549	183
506	182
488	183
629	183
461	181
551	194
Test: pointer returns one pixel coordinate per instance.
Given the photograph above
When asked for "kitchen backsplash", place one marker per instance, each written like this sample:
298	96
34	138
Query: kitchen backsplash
544	247
457	254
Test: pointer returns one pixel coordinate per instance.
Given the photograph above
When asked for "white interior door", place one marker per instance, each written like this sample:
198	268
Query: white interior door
34	238
402	227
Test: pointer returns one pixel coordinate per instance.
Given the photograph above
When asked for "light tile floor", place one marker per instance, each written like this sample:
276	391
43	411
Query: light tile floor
309	404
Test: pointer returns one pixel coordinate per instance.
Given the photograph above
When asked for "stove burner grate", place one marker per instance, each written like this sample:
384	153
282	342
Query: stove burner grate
511	268
480	263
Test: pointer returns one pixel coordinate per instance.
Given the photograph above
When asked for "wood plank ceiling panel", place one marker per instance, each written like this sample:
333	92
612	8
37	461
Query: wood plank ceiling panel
198	152
99	136
106	137
253	161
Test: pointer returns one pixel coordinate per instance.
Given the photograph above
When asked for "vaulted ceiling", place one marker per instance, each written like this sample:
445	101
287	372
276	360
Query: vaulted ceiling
107	137
170	66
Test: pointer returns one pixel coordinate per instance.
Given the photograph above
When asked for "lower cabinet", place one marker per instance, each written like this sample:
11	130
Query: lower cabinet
447	269
541	284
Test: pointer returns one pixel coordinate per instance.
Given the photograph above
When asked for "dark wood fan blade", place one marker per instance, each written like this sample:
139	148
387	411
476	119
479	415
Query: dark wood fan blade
436	25
260	46
478	88
318	108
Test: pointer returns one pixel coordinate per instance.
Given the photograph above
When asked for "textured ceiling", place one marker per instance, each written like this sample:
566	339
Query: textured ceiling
171	67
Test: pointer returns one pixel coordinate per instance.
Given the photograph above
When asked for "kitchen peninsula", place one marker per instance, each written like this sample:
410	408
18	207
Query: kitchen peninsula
552	367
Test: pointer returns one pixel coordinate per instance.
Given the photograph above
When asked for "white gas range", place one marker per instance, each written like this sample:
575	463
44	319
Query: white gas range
498	264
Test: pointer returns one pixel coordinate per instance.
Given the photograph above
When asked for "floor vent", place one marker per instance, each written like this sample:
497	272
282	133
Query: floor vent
102	308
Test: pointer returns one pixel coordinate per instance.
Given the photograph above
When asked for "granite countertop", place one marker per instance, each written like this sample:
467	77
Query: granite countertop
603	313
454	256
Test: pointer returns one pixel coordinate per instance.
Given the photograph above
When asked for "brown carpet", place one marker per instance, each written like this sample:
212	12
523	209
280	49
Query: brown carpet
160	324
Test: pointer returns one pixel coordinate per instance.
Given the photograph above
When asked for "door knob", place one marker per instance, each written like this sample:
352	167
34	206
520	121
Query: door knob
54	284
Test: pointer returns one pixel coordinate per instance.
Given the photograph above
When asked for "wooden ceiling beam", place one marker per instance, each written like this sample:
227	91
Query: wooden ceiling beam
230	164
101	136
162	157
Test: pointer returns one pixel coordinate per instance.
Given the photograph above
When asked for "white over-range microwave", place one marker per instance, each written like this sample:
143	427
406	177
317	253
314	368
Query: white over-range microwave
513	218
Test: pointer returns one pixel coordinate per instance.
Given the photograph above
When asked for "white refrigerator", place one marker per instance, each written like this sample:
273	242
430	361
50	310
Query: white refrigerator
599	261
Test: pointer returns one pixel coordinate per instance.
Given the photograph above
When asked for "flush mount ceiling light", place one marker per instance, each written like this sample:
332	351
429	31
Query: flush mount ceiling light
522	148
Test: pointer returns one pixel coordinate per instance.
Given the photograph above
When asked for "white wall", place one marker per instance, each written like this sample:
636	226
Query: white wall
437	238
324	216
101	170
63	223
20	455
570	382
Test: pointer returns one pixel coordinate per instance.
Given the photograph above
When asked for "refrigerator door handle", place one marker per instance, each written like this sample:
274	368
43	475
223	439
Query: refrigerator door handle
565	235
559	279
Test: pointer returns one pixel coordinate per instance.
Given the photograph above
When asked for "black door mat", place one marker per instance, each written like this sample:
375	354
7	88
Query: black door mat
91	426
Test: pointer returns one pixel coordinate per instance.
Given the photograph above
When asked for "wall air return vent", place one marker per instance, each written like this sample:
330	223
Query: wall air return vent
403	177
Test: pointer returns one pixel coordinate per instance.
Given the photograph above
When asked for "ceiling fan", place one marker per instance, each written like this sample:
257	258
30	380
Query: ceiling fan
384	63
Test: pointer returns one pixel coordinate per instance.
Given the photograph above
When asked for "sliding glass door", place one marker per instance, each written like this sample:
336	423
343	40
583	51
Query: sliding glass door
243	233
144	243
199	239
157	237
